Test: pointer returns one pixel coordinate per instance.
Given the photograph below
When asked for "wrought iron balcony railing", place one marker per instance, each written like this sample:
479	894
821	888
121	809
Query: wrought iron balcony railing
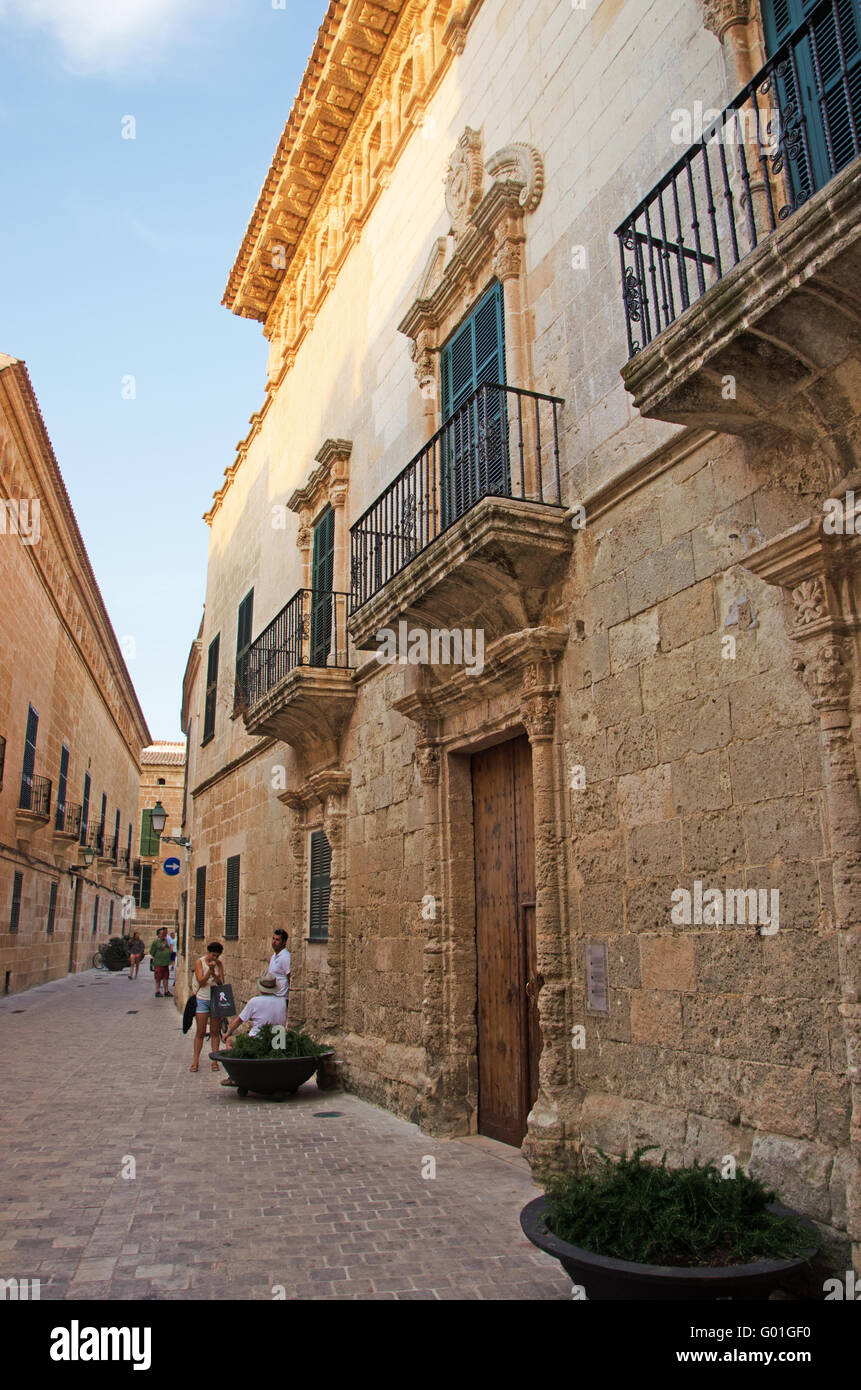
35	795
123	860
109	850
310	631
502	442
68	820
783	138
96	838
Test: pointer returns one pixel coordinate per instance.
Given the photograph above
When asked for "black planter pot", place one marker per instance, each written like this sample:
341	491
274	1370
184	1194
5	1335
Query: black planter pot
605	1278
116	965
269	1076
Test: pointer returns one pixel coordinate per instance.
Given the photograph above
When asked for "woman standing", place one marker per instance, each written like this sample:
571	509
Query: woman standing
208	971
136	955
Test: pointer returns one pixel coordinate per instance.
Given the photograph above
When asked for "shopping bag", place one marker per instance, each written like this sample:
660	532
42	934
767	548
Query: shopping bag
221	1003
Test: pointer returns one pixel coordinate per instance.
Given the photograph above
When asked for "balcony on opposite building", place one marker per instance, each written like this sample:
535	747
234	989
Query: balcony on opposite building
473	530
738	267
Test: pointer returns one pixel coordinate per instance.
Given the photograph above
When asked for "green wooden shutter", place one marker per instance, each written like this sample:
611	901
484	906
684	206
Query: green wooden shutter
321	886
85	809
322	578
29	765
200	903
231	907
150	842
61	788
780	19
211	689
95	916
244	620
475	455
15	914
52	909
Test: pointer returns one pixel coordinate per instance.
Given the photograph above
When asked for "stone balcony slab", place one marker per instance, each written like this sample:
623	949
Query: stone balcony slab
492	569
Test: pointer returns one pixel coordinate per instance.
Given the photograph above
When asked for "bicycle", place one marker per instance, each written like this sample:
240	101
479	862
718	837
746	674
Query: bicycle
99	959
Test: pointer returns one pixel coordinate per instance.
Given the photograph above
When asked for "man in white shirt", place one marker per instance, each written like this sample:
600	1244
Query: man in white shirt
279	962
265	1007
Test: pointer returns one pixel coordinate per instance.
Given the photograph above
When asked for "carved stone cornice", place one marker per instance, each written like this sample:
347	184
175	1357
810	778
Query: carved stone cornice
819	571
333	459
327	789
490	241
523	663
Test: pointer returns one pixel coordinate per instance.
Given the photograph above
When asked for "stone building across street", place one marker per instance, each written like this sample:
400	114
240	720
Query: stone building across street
526	694
160	895
71	728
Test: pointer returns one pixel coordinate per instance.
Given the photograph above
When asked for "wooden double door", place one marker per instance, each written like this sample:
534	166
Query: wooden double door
509	1043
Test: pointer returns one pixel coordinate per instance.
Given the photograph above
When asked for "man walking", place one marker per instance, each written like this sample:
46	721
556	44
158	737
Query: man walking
279	963
160	952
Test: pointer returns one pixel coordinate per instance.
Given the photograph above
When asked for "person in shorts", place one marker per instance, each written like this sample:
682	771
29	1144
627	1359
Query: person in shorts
136	955
267	1006
208	971
160	952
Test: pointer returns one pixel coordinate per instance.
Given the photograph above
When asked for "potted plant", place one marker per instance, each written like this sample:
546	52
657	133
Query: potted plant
636	1230
276	1061
116	954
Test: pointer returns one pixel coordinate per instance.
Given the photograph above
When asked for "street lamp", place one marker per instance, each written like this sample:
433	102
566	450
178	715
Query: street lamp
89	856
158	819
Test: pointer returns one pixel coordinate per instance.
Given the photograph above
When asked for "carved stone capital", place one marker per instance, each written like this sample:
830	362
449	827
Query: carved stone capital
826	672
464	181
303	538
428	763
508	255
538	715
423	355
720	15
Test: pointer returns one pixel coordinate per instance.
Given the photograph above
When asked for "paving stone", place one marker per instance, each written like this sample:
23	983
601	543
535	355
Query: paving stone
329	1211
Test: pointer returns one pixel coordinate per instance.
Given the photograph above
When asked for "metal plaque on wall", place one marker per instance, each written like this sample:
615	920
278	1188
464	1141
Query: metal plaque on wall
597	984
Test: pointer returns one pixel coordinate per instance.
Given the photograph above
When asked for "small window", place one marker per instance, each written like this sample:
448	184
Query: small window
15	915
161	782
150	841
211	690
231	907
200	903
95	916
321	886
52	909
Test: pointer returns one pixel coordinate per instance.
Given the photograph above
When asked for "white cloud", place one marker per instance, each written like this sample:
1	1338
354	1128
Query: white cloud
105	35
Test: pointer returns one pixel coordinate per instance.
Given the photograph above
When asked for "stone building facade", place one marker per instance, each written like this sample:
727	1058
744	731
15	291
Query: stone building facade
160	897
71	728
596	885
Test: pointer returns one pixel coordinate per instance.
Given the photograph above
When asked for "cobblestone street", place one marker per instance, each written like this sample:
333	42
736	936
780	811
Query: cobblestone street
231	1197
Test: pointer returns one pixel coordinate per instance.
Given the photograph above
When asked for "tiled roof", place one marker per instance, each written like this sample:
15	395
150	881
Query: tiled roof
163	753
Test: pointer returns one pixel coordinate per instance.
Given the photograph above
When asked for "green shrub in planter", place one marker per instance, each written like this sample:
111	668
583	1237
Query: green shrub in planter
654	1215
116	953
263	1047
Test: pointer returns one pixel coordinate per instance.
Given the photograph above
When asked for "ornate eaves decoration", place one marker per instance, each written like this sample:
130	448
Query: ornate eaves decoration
326	789
373	70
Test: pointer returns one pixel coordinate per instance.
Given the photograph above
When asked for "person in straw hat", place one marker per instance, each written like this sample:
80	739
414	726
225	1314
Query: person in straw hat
265	1007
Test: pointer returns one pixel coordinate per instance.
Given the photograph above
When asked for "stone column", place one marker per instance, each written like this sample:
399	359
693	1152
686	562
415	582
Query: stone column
434	1005
826	670
335	830
734	24
545	1140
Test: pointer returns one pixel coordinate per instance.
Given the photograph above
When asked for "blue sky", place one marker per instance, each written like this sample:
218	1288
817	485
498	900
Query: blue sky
114	254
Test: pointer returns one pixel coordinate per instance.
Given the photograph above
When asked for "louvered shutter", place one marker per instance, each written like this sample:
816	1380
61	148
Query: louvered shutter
29	765
200	903
211	689
819	87
85	809
321	886
322	578
61	788
231	906
475	461
244	621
